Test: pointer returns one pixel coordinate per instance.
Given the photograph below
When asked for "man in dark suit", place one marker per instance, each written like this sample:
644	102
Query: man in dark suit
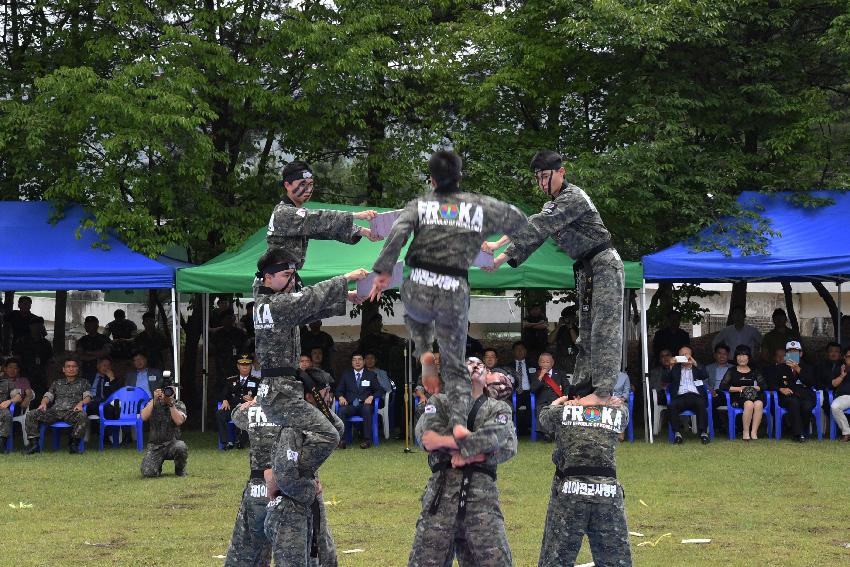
548	385
105	384
687	392
356	393
523	370
148	379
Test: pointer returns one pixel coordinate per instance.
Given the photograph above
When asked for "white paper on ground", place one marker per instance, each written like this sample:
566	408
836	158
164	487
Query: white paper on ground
383	222
219	557
357	550
696	540
637	534
587	565
364	286
483	260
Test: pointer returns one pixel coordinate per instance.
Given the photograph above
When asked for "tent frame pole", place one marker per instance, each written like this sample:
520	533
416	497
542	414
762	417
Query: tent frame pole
205	369
838	339
175	336
644	347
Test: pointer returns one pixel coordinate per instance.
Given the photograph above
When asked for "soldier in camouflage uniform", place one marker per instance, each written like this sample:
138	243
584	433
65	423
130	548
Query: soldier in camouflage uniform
460	507
68	395
586	498
291	226
8	395
166	415
296	522
575	225
448	227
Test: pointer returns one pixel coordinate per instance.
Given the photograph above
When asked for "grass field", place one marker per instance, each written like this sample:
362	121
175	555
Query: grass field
762	503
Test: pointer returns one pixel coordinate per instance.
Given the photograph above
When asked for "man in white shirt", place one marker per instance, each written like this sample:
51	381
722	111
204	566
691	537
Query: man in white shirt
687	393
739	333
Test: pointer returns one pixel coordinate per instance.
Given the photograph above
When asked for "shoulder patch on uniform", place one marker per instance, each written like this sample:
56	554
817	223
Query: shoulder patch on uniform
502	418
302	212
430	408
549	207
291	455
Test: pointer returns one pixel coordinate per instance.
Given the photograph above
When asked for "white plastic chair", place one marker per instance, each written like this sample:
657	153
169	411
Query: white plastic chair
21	419
384	412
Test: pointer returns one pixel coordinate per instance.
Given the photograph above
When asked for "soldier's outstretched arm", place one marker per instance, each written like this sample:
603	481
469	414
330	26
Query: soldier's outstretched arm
287	455
399	233
318	224
550	415
239	416
495	436
324	299
555	216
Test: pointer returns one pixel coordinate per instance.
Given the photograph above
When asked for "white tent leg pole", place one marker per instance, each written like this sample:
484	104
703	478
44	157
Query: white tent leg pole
205	319
838	340
644	347
175	337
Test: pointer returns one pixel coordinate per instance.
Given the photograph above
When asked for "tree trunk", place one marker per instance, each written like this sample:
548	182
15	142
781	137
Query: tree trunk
789	307
193	327
369	310
739	299
660	305
6	333
59	323
830	304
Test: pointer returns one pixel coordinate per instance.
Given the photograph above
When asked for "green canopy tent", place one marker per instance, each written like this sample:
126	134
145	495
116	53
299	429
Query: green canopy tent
233	271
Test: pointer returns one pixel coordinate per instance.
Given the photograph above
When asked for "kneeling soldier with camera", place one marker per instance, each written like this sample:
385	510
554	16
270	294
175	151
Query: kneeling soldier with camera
166	414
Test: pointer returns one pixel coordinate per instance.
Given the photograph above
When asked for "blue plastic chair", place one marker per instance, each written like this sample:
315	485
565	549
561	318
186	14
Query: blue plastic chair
833	427
689	413
56	432
630	432
9	441
132	401
231	431
533	416
734	412
779	411
357	419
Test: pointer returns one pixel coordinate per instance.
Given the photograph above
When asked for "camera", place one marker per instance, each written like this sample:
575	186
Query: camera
681	359
168	391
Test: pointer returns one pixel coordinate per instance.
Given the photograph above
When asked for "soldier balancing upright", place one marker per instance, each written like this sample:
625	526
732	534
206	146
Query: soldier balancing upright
575	225
448	227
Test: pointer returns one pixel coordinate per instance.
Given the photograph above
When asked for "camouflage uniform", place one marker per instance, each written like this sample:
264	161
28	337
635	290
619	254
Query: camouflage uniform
291	518
292	227
448	229
64	395
164	443
574	223
477	534
586	497
7	392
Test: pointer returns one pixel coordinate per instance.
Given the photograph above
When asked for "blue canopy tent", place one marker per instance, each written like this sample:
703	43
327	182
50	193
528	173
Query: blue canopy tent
808	246
40	255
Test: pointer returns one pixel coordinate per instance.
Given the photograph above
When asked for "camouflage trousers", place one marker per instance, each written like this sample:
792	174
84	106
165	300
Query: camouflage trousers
249	546
157	453
479	540
326	547
78	420
431	311
5	424
600	326
569	518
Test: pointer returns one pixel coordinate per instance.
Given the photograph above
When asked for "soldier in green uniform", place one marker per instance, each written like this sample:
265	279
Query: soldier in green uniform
66	398
166	414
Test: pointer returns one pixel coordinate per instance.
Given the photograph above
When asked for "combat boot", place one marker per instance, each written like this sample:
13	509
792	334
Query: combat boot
3	441
179	471
34	447
74	446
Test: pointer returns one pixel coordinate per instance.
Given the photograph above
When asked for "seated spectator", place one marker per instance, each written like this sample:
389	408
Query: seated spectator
35	352
775	369
548	385
794	387
152	342
827	370
66	397
841	398
746	388
92	346
143	376
356	394
623	386
659	376
687	393
473	345
778	336
524	370
491	358
739	333
11	392
371	362
12	373
313	336
121	330
535	330
304	362
228	342
237	389
716	371
165	414
317	355
104	385
19	321
564	337
670	337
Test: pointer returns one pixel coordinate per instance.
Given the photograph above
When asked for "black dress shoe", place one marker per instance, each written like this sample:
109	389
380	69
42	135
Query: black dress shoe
33	448
678	440
365	444
704	438
341	445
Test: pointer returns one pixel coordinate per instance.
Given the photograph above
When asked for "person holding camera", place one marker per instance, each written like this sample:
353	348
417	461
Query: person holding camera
166	414
687	392
746	387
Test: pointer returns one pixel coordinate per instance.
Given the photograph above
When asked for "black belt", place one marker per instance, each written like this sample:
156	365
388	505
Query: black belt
257	473
437	268
467	471
316	520
590	254
609	472
278	372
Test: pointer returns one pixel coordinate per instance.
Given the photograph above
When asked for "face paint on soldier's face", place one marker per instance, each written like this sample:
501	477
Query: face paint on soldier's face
299	191
550	181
